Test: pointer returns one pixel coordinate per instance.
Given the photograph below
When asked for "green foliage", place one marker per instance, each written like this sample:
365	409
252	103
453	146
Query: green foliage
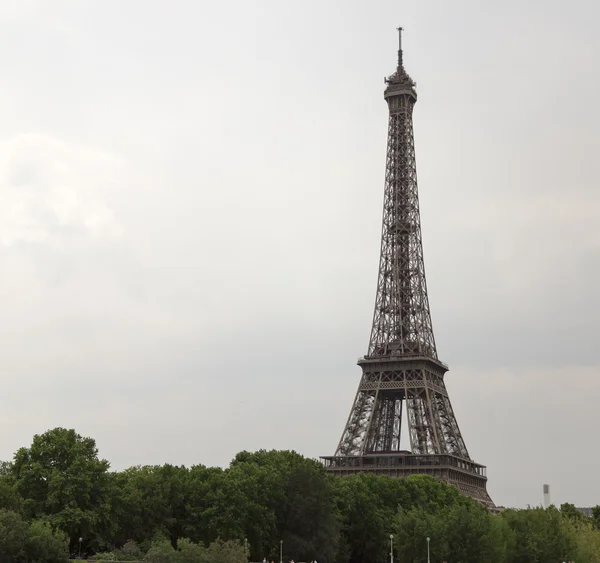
367	506
61	478
219	551
569	511
13	535
190	552
10	499
129	552
226	552
367	519
462	532
540	535
161	551
45	545
596	516
105	556
311	526
203	491
35	542
5	467
287	497
588	543
59	490
150	500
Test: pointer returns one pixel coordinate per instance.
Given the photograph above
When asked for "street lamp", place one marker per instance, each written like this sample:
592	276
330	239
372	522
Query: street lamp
80	540
391	548
428	550
280	551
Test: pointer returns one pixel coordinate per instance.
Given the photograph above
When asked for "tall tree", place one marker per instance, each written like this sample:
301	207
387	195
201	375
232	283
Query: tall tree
461	532
203	487
367	507
541	535
152	500
366	519
569	511
292	502
61	477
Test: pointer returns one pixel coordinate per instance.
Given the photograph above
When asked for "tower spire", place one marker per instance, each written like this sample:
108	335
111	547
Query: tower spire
400	62
401	77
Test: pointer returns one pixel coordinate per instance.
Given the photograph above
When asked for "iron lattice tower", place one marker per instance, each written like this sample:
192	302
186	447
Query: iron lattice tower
401	369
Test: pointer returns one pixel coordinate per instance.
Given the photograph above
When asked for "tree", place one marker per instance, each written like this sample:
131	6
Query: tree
420	491
203	491
45	545
162	551
588	542
596	516
569	510
540	535
130	551
190	552
367	505
287	497
5	468
151	500
227	552
366	520
312	530
10	499
462	532
244	506
61	477
13	534
58	490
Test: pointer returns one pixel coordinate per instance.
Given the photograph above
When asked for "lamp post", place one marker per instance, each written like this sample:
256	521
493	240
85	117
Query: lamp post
391	548
80	540
280	551
428	550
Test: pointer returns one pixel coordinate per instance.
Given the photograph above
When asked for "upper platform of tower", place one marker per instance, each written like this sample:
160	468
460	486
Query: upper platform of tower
400	83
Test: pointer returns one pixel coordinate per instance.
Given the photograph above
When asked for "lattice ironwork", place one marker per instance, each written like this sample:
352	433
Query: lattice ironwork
401	371
401	321
388	386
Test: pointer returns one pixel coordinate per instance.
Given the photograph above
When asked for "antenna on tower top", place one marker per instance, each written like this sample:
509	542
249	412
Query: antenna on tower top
400	29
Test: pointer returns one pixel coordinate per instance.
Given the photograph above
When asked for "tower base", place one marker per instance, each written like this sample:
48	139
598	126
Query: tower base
467	476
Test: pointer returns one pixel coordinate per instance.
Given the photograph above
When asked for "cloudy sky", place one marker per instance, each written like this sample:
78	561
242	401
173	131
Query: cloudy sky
190	205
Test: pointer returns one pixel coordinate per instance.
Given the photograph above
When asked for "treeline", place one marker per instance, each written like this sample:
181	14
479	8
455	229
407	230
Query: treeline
58	498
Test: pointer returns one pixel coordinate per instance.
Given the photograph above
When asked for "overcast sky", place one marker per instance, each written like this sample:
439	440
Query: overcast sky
190	207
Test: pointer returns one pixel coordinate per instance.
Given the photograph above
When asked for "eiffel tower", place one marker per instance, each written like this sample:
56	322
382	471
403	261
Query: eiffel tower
401	369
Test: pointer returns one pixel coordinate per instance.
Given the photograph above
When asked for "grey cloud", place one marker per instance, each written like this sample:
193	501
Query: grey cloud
51	191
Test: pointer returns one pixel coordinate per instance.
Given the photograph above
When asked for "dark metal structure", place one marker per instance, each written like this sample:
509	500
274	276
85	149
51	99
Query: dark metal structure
401	369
